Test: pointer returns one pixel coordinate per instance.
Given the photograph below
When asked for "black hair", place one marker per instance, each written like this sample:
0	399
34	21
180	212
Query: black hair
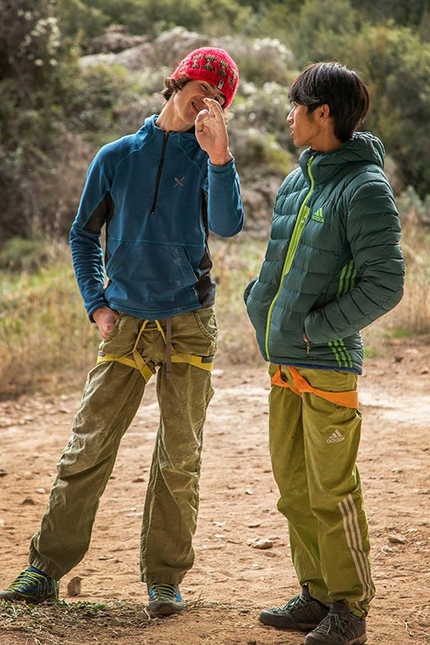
334	85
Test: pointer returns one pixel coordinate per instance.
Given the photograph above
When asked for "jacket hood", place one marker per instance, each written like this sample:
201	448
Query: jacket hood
362	147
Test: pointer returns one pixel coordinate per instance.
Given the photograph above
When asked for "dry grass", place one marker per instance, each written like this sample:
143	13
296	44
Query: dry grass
413	314
411	317
78	622
44	331
235	265
47	344
82	623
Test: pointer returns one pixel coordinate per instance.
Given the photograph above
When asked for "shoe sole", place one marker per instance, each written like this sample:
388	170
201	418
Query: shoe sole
272	621
14	597
164	608
359	640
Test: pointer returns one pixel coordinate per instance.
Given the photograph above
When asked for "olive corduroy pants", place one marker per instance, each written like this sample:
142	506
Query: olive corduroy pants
110	400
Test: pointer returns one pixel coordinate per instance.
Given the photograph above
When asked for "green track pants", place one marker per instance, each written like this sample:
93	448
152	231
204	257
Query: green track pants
313	447
110	401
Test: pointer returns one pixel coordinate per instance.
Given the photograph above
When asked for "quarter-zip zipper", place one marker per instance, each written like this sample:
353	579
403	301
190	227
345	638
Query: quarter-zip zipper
160	168
299	225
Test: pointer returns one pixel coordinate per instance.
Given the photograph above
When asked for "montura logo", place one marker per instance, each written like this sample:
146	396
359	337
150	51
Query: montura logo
178	182
318	216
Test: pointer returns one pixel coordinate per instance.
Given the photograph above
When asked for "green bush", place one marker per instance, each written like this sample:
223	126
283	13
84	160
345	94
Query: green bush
398	65
324	30
84	20
393	60
55	113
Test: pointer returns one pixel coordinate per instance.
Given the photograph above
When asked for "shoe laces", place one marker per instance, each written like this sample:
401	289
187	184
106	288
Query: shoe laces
292	605
164	591
39	581
332	623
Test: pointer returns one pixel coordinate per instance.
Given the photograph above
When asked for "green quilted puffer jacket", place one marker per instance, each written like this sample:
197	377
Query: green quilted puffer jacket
333	263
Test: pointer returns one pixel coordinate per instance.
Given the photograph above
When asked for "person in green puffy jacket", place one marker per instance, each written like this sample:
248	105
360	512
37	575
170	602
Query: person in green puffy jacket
333	265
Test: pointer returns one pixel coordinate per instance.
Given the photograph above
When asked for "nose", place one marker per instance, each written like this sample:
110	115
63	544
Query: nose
289	118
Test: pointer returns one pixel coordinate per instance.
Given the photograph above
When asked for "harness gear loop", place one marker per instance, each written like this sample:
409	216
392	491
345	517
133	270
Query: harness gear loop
202	362
168	348
348	399
134	359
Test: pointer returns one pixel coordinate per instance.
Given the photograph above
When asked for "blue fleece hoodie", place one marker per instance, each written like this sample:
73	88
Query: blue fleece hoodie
158	196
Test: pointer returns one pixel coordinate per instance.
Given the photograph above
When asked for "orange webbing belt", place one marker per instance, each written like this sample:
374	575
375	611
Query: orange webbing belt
346	399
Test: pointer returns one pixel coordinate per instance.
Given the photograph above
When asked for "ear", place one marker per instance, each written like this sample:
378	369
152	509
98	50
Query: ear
324	112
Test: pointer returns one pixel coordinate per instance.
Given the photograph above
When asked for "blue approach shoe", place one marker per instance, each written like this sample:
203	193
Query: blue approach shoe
164	599
31	586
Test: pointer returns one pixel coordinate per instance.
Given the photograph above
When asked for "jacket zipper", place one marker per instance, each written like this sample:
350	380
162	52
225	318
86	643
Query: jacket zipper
291	251
160	168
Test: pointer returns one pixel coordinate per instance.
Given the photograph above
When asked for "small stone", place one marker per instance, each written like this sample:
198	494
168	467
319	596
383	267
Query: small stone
262	543
396	539
74	586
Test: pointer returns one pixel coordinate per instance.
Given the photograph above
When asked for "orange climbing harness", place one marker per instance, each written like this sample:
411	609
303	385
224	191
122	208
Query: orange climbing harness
347	399
135	360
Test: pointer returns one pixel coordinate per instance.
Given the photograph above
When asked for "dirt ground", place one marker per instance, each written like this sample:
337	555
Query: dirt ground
232	579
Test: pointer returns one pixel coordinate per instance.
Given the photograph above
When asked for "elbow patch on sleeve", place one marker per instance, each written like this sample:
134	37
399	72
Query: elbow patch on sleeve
101	215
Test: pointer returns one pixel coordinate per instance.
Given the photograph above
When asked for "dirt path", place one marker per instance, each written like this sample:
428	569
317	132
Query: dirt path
231	580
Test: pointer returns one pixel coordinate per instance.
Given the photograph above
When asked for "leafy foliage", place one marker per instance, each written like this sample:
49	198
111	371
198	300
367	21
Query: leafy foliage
55	112
150	17
395	63
414	13
34	87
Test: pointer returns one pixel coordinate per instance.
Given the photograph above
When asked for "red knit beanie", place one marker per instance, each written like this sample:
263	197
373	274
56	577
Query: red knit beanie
212	65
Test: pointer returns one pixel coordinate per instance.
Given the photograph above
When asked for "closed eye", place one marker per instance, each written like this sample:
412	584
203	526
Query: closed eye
212	93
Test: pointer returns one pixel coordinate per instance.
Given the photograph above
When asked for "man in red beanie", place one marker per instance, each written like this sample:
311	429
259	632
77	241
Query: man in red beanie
157	194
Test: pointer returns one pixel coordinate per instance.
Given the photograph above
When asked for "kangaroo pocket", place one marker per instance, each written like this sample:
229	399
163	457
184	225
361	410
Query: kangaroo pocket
143	273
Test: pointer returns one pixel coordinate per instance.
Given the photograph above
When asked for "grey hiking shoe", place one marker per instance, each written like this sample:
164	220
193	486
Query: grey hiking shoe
339	627
164	599
31	586
302	613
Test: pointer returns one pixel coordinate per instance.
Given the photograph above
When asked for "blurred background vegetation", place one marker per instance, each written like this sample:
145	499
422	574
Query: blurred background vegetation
75	74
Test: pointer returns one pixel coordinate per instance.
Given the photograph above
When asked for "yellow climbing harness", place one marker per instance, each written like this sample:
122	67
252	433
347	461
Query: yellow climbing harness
134	359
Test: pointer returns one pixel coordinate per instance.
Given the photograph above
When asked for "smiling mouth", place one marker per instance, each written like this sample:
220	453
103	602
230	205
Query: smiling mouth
198	106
